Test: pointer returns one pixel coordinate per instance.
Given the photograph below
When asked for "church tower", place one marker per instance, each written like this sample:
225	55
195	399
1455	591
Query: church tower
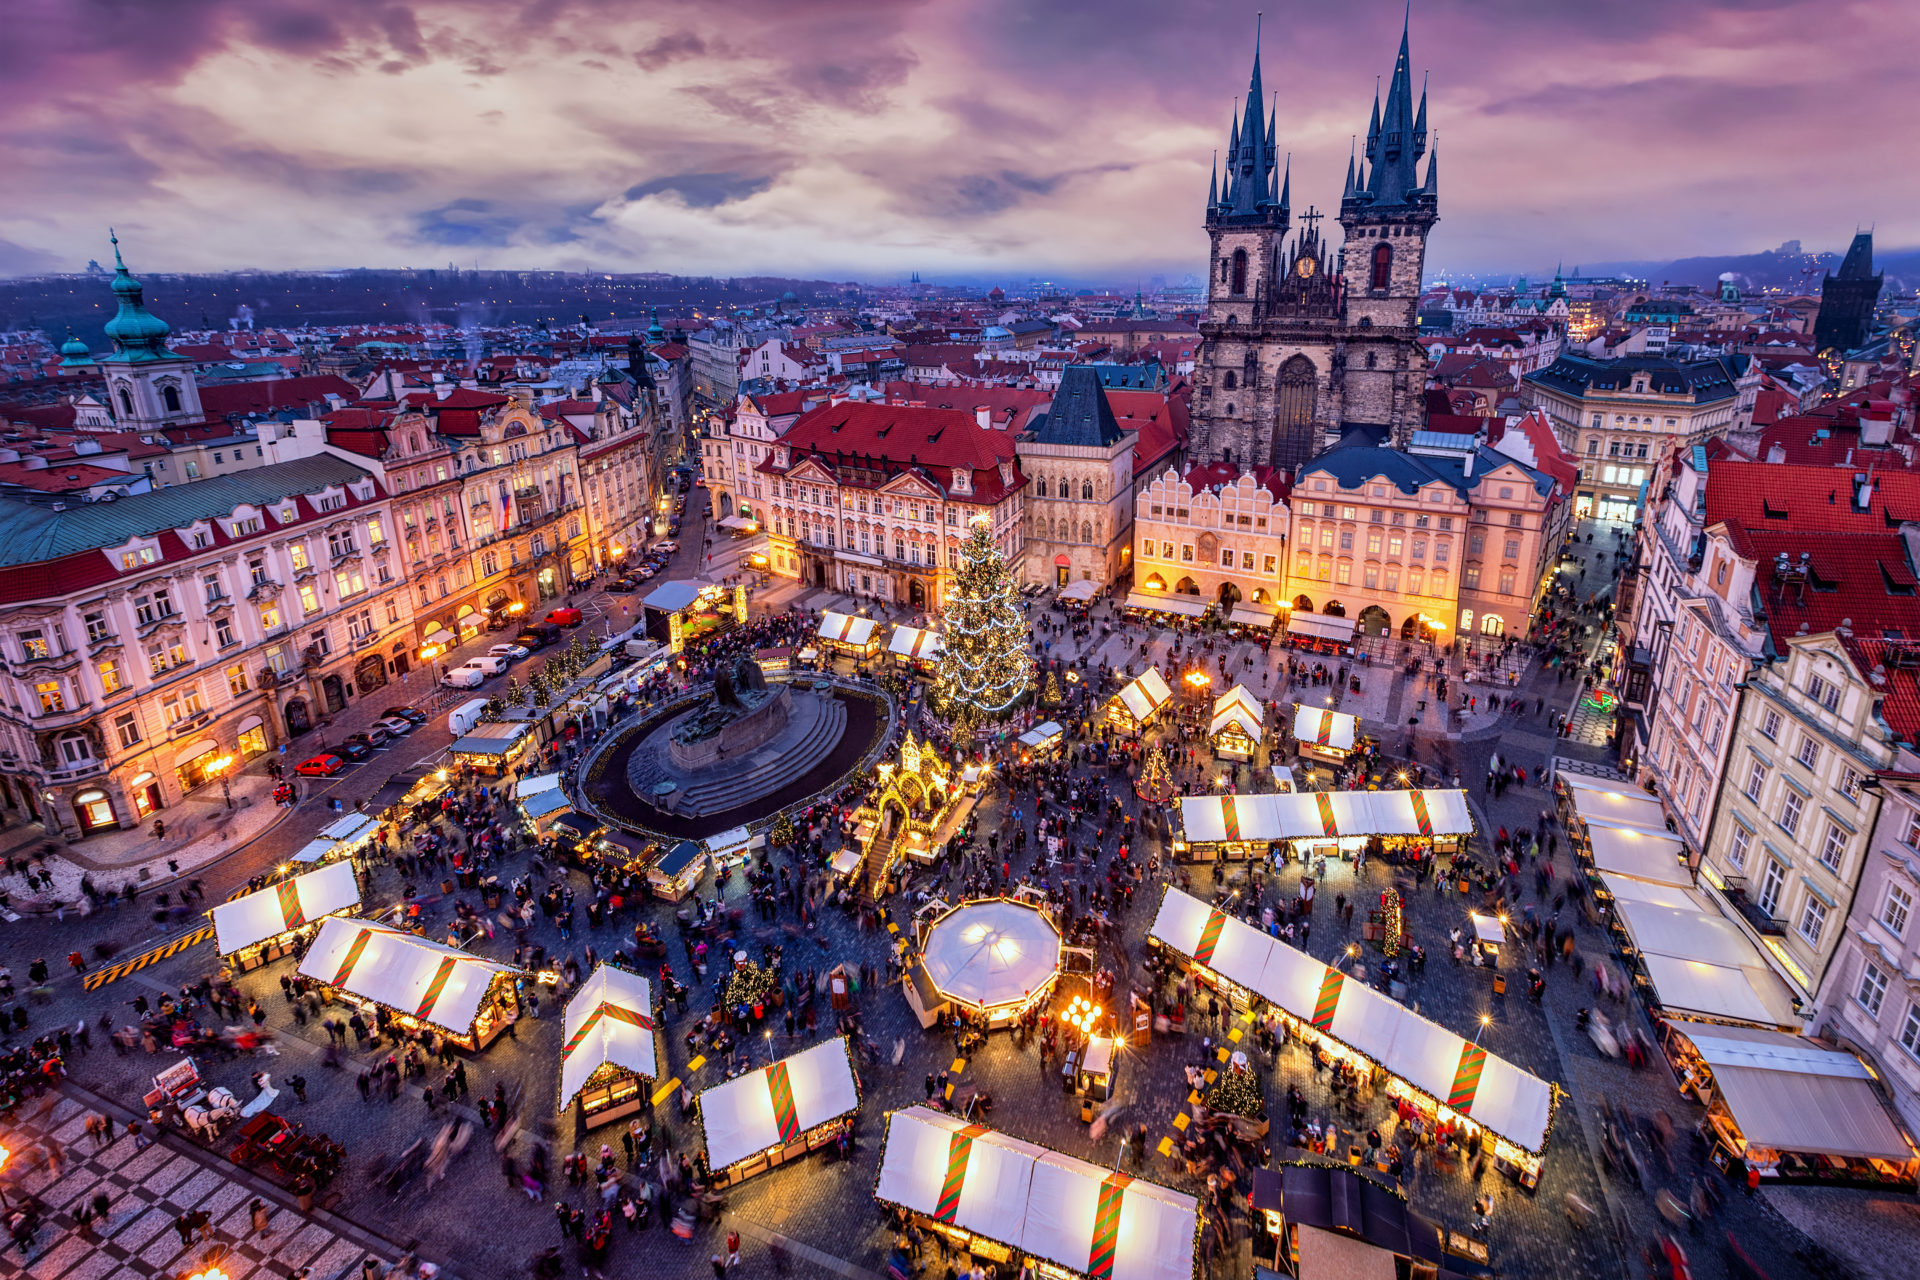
1387	211
148	385
1847	300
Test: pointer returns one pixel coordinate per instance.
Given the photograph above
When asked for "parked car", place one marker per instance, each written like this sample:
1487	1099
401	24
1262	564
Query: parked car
647	571
619	586
511	652
372	740
353	748
537	636
487	663
396	726
410	714
564	618
665	548
321	766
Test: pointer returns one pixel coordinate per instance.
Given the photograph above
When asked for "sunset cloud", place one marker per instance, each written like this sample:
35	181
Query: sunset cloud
869	138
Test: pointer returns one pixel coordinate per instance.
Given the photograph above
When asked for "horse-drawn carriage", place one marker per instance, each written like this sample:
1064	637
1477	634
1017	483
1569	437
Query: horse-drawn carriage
283	1151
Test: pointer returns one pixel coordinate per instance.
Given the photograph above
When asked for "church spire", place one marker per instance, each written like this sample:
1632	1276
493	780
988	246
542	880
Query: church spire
1249	189
1397	139
1432	187
1213	185
1373	125
1351	144
1286	186
1420	122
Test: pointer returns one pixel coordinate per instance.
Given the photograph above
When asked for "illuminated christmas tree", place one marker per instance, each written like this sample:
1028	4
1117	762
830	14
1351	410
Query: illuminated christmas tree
1393	917
1051	695
986	665
1156	779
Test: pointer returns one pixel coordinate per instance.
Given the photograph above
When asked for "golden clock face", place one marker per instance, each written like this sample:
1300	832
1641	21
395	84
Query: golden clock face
1304	267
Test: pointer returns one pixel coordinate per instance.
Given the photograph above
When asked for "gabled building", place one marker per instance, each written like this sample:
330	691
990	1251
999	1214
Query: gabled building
1079	461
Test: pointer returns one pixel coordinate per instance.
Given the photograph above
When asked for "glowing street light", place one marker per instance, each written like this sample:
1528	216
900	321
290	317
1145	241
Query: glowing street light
1486	1020
219	770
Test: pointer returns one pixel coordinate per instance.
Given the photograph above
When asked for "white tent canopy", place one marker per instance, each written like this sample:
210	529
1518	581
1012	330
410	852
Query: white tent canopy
1789	1094
1642	854
992	953
436	984
529	787
1035	1200
353	827
1160	602
1045	734
1325	727
846	629
255	917
1145	694
1320	627
1699	962
1512	1103
1079	589
608	1020
912	642
776	1104
1323	814
1253	615
1596	801
1238	707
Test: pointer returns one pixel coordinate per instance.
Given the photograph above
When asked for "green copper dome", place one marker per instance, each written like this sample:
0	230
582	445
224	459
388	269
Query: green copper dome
73	351
654	330
137	333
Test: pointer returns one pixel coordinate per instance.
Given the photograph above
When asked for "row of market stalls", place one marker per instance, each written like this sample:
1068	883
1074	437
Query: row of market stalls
1793	1107
1319	823
1443	1074
1017	1203
263	926
419	983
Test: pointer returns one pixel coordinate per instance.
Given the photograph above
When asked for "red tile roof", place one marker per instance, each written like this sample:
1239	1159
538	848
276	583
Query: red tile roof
1161	417
1894	677
265	397
1784	496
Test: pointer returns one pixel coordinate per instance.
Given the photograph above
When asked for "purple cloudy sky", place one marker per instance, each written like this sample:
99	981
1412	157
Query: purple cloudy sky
867	138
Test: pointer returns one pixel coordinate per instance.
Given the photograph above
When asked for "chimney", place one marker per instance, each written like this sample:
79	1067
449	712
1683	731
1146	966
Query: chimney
1776	453
983	414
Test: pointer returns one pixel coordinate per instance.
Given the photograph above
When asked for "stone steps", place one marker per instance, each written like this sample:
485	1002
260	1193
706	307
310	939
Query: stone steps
763	771
879	853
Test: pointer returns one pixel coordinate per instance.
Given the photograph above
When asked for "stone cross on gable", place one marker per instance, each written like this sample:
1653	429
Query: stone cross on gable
1311	216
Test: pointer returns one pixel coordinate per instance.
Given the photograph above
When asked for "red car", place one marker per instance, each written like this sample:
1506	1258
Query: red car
321	766
564	617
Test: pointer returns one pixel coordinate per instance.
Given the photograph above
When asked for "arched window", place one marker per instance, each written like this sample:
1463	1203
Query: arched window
1233	380
1040	486
171	395
1086	491
126	402
1239	285
1382	266
1086	533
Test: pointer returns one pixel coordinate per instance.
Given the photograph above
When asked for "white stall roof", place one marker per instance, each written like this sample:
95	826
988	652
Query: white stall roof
912	642
1324	726
1079	589
1685	933
1238	707
1160	602
355	826
1488	928
845	861
535	785
992	952
316	851
608	1020
436	984
1633	852
1035	1200
1238	951
751	1113
1319	626
846	628
255	917
1044	734
1253	615
1751	993
1316	814
1610	806
1677	896
733	840
1699	961
1145	694
1792	1095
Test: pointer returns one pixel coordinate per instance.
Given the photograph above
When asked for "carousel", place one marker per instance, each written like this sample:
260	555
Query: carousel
919	805
992	958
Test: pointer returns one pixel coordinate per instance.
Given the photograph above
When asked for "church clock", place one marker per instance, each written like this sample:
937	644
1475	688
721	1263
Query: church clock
1305	267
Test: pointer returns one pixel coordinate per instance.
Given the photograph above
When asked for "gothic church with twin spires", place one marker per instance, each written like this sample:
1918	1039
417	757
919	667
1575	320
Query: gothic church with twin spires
1301	340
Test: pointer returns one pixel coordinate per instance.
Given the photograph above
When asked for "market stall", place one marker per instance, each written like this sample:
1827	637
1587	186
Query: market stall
257	927
1013	1202
1584	800
1696	963
1042	742
1319	632
993	957
1254	617
1435	1070
914	648
1094	1067
1158	606
1139	703
542	799
1238	724
1632	852
733	846
610	1052
1320	823
1489	935
341	838
1323	733
678	873
574	832
778	1113
1079	593
1794	1109
494	747
419	983
688	609
849	634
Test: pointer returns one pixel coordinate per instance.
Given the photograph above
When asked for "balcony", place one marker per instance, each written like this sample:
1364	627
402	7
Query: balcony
1758	919
264	589
75	773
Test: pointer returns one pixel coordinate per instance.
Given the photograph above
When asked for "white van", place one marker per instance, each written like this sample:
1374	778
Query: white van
462	718
464	677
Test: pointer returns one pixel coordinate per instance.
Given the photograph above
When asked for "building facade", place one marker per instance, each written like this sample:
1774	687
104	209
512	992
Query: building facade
1218	534
1079	460
1847	299
1300	340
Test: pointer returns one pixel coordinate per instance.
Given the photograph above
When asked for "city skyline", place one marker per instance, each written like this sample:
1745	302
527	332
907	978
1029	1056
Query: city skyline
864	142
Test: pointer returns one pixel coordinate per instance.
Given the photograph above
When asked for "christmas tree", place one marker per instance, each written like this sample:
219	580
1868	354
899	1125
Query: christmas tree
783	832
1394	916
1238	1093
540	688
1051	695
1155	785
516	692
986	666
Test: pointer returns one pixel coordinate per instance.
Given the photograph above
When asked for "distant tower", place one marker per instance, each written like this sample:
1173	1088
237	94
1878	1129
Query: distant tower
1847	299
148	385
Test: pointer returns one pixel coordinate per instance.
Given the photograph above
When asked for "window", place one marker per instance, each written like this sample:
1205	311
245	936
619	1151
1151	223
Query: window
1737	848
237	679
1270	567
1813	918
1809	753
376	533
1239	281
241	528
1382	267
1872	990
1850	781
1513	549
1790	807
149	609
223	631
1910	1033
269	617
96	628
1441	551
1824	692
1770	886
1756	779
1395	545
75	750
127	729
309	598
1470	577
349	582
320	643
340	543
51	698
1834	847
1770	724
1507	582
1186	552
135	558
1897	909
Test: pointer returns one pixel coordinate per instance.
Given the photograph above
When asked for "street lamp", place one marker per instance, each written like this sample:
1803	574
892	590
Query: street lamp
219	770
431	654
1486	1020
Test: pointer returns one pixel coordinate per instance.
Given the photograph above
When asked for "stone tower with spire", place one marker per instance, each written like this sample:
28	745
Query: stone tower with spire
148	384
1847	299
1300	340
